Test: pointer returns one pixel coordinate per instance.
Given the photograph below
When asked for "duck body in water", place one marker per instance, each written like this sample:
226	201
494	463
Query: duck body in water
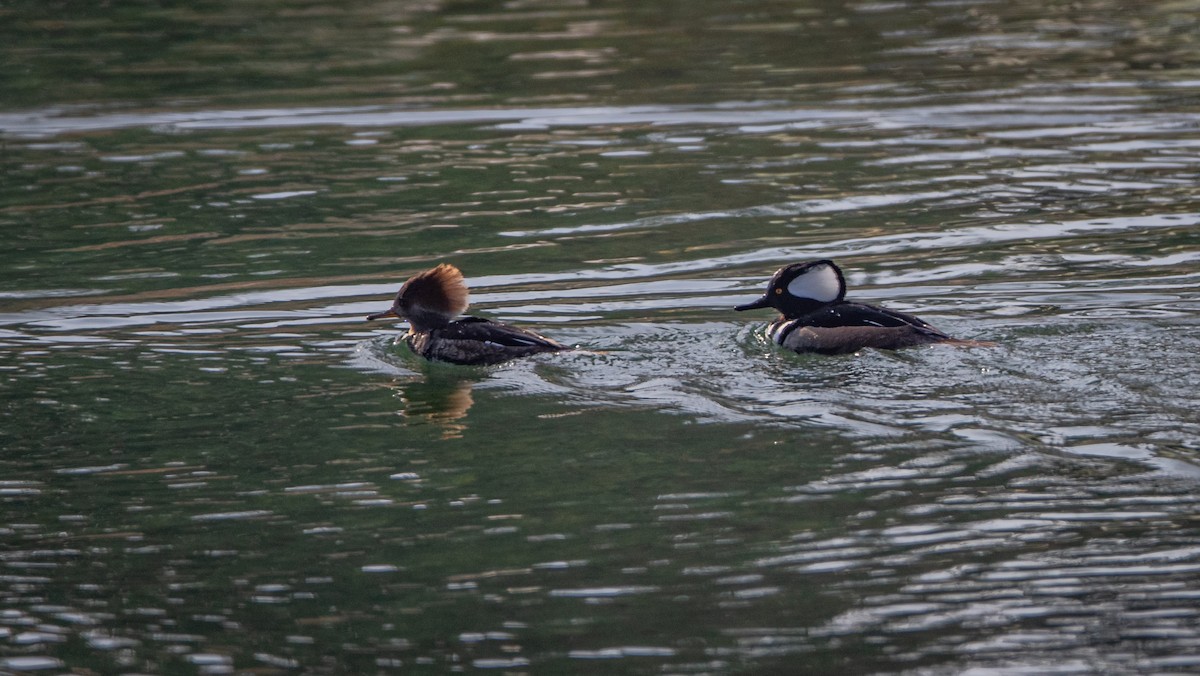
430	300
815	317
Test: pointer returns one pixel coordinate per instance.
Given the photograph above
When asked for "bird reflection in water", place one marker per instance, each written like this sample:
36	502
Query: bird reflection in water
437	399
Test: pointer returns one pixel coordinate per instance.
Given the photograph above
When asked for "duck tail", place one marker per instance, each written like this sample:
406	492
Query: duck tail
582	350
961	342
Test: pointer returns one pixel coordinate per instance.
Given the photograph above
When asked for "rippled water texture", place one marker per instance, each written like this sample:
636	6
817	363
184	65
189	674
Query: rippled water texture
209	463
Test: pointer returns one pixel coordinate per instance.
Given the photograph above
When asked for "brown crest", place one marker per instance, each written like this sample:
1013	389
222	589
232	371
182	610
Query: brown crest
440	290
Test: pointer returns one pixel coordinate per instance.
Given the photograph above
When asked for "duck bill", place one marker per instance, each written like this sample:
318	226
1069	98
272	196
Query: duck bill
390	312
760	303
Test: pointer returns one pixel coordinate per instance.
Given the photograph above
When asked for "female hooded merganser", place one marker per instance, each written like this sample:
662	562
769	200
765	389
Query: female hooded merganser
430	300
815	318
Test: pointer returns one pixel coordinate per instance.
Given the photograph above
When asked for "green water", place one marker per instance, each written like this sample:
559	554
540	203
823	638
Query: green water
210	463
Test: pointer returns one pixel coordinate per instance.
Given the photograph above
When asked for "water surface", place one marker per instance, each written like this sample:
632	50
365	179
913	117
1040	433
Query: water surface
212	464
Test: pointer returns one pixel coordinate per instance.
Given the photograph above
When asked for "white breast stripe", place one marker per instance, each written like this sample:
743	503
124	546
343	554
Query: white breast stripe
820	284
776	332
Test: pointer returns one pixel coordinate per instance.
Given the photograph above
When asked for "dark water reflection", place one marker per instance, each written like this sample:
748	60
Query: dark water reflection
212	464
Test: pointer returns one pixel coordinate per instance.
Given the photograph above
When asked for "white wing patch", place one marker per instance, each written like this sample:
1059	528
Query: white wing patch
515	339
820	283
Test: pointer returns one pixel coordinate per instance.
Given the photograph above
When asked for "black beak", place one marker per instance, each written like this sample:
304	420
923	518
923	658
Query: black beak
765	301
390	312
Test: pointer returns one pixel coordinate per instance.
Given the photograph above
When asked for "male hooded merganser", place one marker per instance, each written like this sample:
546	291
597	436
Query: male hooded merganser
430	300
815	318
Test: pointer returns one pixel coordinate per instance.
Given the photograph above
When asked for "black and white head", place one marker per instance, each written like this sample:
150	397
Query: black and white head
801	288
430	299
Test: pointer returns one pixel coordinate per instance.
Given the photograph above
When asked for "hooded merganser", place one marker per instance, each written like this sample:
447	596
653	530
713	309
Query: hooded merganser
815	318
430	300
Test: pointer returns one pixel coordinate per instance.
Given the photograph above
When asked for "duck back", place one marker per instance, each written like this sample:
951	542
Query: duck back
479	341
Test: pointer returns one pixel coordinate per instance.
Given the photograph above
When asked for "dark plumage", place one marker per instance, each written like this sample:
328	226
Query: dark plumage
814	317
430	300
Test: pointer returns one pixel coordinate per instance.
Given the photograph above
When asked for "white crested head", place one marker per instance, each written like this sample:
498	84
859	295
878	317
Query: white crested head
820	281
798	289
